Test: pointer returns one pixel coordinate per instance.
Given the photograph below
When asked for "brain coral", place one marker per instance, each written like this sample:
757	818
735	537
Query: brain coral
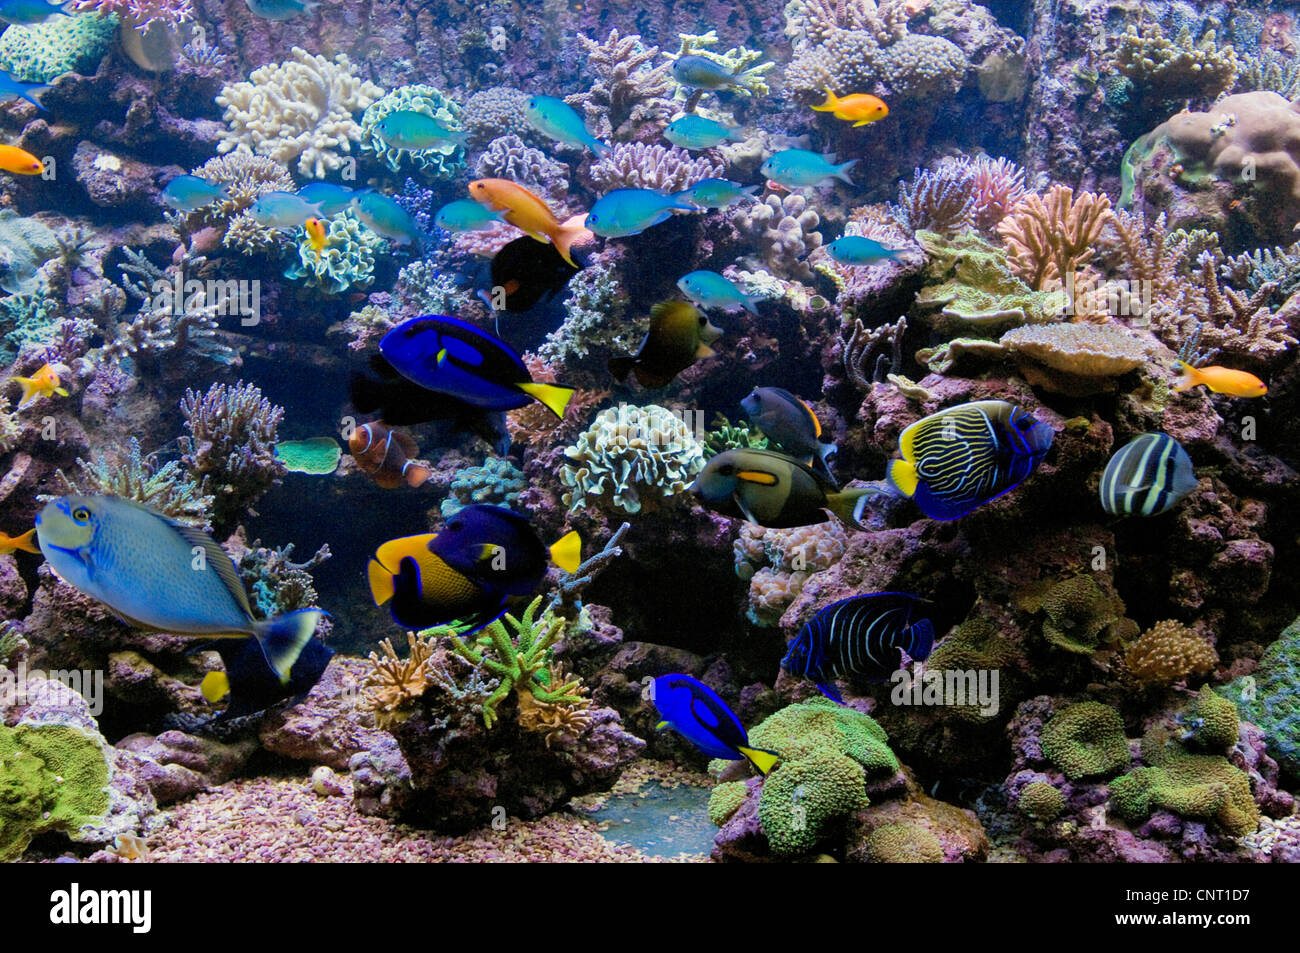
40	52
904	844
442	161
628	450
52	777
1086	740
346	261
1041	801
1202	786
301	108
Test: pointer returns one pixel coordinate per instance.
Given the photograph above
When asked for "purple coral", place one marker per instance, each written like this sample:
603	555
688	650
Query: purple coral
940	200
639	166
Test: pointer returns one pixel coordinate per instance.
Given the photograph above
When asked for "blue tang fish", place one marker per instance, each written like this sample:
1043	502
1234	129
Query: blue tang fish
328	197
695	712
717	193
861	635
557	119
11	88
631	211
860	250
708	289
696	132
960	458
799	168
1146	477
449	356
281	9
465	215
158	574
485	557
385	217
187	193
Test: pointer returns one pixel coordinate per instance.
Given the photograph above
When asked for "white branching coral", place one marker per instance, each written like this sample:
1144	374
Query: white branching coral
302	108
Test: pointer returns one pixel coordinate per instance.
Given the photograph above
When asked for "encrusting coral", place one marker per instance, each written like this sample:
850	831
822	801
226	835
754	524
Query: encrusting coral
1086	740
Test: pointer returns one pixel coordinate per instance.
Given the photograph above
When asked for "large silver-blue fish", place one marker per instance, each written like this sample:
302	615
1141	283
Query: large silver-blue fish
158	574
1146	476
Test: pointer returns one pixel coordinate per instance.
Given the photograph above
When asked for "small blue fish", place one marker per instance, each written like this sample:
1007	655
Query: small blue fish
330	198
700	72
417	131
29	12
696	132
708	289
859	250
1146	477
860	635
11	89
187	193
281	9
631	211
283	210
465	215
961	458
557	119
799	168
717	193
695	712
385	217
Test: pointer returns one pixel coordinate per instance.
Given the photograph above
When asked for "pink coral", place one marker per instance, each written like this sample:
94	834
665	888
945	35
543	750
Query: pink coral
140	12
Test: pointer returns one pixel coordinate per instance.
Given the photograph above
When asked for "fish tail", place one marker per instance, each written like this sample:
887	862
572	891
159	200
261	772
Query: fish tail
565	235
842	171
35	94
902	476
566	552
1191	376
760	758
31	390
26	542
599	149
552	397
750	303
620	367
283	638
850	504
829	105
415	474
751	191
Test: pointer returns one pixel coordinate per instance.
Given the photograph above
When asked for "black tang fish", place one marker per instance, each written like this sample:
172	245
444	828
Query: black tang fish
1146	476
861	635
527	271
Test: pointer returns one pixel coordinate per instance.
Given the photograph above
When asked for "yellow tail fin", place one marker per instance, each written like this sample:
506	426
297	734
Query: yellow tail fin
902	476
566	552
31	390
829	105
554	398
1191	377
761	758
215	686
381	582
26	542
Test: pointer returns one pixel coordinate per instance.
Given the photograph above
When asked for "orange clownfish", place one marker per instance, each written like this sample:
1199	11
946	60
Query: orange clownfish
44	383
528	213
13	159
11	544
387	455
857	108
1221	380
315	229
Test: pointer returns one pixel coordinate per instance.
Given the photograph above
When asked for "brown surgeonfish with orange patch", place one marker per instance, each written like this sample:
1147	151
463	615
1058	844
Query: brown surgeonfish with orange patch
388	456
679	336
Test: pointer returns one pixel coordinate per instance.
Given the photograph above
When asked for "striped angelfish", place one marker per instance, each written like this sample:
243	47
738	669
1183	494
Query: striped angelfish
1146	477
861	635
964	456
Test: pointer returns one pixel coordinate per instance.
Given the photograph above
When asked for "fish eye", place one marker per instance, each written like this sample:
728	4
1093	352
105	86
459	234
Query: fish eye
81	514
703	320
727	470
455	525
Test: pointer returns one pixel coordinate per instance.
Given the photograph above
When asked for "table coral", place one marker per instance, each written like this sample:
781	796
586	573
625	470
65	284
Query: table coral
442	161
1076	358
299	109
1086	740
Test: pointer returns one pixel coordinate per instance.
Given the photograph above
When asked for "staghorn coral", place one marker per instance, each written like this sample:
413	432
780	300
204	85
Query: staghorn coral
563	717
298	109
442	161
508	157
1169	652
1177	69
1271	70
393	685
1251	270
1049	238
940	200
784	228
629	91
1086	740
636	165
629	451
230	449
777	563
168	489
275	583
494	112
347	260
497	482
567	603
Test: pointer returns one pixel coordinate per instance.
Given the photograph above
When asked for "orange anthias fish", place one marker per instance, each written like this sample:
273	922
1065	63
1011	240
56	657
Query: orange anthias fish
10	544
530	214
386	454
315	229
44	383
13	159
857	108
1221	380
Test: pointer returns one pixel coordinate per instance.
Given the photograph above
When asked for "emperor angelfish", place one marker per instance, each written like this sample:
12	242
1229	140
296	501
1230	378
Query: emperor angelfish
1147	476
774	490
695	712
960	458
861	635
158	574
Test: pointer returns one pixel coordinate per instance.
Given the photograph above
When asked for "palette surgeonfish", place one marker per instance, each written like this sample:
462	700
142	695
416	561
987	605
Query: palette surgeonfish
679	336
251	685
791	425
155	573
694	711
961	458
485	558
774	490
527	271
861	635
1146	477
388	456
450	356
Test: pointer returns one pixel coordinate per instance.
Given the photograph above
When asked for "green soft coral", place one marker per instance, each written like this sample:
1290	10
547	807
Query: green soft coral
1086	740
52	777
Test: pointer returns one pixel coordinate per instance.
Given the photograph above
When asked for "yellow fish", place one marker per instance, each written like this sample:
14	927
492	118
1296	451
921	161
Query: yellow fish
857	108
44	383
11	544
1221	380
13	159
315	229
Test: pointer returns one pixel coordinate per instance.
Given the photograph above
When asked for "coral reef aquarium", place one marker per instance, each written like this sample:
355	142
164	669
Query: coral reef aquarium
789	431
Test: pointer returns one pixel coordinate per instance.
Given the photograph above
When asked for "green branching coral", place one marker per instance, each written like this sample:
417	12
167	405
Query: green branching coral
346	261
904	844
1175	69
52	777
40	52
1040	801
628	451
1202	786
1268	698
1086	740
442	161
168	489
497	482
728	436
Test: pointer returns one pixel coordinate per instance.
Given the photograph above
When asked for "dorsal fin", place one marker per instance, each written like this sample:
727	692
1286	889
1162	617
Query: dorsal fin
215	558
